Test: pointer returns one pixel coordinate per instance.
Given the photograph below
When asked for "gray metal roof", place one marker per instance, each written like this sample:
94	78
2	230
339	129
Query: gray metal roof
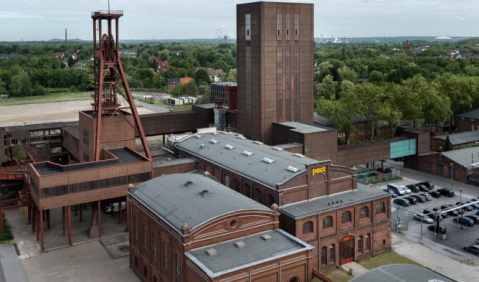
399	273
304	128
464	157
460	138
265	164
177	202
256	250
336	201
474	114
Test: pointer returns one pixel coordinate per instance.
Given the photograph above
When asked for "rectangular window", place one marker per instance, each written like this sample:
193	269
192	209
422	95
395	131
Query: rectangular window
288	26
428	166
296	82
439	169
154	247
86	137
279	81
288	84
145	245
247	19
279	23
380	208
248	90
296	27
368	242
360	244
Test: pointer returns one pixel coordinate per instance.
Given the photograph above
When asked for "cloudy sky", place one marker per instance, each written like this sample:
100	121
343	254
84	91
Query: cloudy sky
181	19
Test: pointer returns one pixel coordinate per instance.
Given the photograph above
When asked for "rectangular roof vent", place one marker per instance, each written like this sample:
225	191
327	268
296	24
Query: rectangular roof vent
277	148
269	161
229	147
240	244
198	136
213	141
298	155
240	137
292	168
258	142
247	153
211	252
266	237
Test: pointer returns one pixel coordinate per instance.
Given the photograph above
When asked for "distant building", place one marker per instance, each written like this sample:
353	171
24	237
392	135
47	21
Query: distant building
79	64
74	56
468	121
59	54
128	53
202	89
172	82
214	74
458	140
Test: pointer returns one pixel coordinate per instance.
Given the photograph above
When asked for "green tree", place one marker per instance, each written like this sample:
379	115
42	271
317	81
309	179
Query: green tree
370	104
346	73
202	75
447	146
328	88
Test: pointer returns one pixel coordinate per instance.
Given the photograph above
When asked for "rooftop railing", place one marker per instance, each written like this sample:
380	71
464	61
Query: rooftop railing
107	12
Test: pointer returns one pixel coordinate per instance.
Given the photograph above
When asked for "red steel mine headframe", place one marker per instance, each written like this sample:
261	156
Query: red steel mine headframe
110	81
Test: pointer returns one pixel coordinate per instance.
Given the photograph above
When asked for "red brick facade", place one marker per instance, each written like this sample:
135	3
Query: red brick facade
440	165
466	124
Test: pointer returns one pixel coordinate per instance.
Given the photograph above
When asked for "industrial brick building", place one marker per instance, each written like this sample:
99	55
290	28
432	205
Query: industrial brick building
188	227
320	203
468	121
275	45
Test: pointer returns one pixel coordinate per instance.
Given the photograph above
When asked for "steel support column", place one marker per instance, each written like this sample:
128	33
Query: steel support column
69	215
63	220
42	247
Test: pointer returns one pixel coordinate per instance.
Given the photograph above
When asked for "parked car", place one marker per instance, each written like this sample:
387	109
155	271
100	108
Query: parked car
424	218
443	215
437	229
473	249
413	188
422	187
473	205
402	202
396	189
477	213
432	214
474	218
114	207
419	198
435	194
446	192
427	196
464	220
428	184
411	200
466	208
394	195
407	190
451	213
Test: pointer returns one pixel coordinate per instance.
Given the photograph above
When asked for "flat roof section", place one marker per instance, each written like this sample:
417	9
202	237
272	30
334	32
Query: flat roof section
337	201
265	164
304	128
460	138
401	272
124	156
219	259
191	198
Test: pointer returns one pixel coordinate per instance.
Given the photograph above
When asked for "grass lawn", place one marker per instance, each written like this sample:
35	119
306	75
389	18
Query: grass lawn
336	274
68	96
385	259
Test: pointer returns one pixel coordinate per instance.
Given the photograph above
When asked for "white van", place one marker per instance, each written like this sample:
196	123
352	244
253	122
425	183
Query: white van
396	189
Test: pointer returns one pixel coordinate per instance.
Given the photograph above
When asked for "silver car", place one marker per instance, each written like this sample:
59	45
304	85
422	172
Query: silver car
424	218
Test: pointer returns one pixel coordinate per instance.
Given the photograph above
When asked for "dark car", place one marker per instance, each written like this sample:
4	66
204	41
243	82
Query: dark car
451	213
428	184
419	198
411	200
435	194
394	195
402	202
413	188
466	208
443	215
427	196
474	206
432	213
437	229
464	220
422	188
474	218
446	192
473	249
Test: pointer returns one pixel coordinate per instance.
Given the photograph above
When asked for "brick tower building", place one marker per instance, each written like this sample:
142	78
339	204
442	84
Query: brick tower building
275	66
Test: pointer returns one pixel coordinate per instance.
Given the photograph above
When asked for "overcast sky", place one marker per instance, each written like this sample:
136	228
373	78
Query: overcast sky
182	19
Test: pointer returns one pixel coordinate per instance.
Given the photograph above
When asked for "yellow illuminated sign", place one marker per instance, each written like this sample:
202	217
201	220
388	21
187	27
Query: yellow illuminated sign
319	170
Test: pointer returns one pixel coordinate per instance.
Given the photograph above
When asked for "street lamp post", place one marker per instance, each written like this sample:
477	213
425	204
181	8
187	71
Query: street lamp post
460	200
452	175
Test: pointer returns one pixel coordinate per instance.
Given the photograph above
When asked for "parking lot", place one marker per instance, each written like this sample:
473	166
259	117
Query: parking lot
456	237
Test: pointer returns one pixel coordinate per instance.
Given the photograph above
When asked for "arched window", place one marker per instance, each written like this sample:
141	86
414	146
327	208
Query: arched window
360	244
226	179
364	212
247	190
324	256
368	242
236	185
380	207
332	253
308	227
294	279
270	200
258	195
346	217
328	222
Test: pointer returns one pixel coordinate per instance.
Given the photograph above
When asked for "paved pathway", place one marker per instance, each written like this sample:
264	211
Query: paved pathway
152	107
434	260
10	268
356	267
